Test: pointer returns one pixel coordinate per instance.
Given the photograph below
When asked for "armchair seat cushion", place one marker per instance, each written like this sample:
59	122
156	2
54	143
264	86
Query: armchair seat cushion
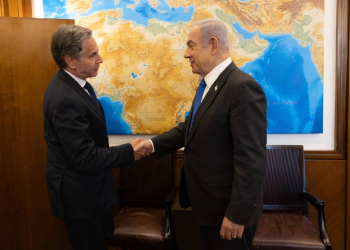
281	230
139	227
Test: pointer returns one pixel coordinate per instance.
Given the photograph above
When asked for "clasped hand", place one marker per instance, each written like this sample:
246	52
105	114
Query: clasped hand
141	148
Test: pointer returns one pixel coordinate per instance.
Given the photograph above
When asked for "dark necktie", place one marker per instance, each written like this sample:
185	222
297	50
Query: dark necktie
198	99
91	92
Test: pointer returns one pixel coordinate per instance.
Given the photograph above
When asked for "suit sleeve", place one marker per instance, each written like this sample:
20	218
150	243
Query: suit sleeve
170	141
72	126
248	131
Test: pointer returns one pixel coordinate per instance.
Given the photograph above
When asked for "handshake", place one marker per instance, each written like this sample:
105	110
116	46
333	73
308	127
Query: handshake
141	148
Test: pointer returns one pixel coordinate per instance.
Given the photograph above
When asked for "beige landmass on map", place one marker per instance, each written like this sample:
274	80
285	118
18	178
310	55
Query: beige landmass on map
164	87
80	6
144	66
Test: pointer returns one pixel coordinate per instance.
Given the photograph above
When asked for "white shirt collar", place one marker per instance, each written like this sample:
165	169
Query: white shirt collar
211	77
79	80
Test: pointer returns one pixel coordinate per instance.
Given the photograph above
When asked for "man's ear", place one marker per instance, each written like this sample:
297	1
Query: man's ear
70	61
214	43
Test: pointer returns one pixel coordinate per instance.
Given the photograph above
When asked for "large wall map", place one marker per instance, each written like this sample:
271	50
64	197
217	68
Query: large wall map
146	86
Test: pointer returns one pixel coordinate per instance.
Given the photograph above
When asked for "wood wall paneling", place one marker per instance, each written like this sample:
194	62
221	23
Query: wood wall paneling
2	8
25	70
27	8
15	8
20	8
326	179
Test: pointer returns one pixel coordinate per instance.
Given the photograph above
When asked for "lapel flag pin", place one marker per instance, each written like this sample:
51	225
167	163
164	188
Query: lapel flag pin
216	87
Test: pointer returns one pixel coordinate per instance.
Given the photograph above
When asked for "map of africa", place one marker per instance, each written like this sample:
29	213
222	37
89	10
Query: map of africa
146	86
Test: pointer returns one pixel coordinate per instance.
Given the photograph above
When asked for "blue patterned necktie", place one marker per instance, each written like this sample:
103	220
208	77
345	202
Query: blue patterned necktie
198	99
91	92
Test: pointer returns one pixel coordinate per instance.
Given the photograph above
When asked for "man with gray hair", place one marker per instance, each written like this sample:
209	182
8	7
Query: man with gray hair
224	140
80	182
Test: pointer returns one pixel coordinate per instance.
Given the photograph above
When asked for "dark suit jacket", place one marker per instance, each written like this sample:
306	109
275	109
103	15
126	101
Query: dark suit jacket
79	160
225	152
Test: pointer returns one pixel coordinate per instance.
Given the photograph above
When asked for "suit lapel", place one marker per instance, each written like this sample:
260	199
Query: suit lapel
82	93
207	101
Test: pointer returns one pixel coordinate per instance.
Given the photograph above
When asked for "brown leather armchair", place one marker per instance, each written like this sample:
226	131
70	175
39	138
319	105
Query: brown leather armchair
146	194
284	223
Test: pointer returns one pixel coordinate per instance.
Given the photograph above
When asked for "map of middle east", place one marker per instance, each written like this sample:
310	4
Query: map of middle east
146	86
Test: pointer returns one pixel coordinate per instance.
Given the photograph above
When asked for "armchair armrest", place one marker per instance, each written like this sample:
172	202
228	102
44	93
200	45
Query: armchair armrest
168	203
170	198
319	205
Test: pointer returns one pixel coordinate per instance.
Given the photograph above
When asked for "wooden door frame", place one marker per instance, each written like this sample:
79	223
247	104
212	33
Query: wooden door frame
341	85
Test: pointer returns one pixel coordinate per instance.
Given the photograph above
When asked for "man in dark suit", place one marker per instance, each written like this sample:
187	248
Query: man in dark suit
224	140
79	160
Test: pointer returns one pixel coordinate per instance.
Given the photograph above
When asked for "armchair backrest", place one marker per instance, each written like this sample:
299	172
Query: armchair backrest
148	182
284	180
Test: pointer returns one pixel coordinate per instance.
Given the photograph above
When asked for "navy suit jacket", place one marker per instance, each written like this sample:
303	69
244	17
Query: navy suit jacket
225	152
79	160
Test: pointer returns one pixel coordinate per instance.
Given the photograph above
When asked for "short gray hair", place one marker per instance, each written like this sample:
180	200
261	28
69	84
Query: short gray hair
68	40
213	28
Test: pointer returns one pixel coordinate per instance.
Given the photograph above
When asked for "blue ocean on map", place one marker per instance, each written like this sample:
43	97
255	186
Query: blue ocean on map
113	112
292	84
55	9
141	14
143	11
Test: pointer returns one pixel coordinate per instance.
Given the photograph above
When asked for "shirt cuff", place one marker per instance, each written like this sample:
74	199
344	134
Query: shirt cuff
152	146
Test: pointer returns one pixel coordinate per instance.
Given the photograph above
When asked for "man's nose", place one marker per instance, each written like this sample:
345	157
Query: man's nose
100	59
